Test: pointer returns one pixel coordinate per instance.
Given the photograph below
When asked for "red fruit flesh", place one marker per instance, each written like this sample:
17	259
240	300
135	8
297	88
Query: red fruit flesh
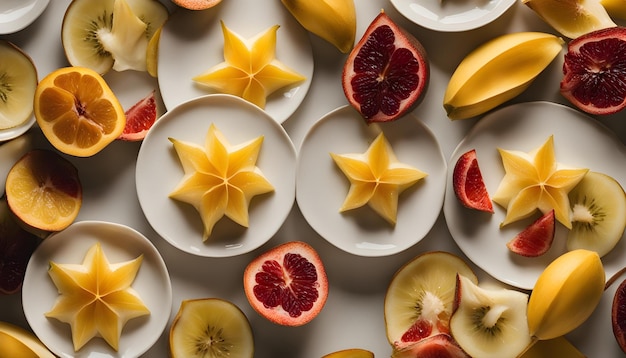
595	71
618	315
536	239
287	284
438	346
468	183
386	72
16	247
139	119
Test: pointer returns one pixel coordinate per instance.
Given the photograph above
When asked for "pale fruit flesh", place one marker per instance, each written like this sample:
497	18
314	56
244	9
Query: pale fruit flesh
90	40
18	342
210	327
421	294
18	81
489	323
599	214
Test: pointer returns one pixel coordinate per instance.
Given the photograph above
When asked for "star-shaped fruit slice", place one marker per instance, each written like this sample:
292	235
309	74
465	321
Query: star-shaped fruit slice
220	179
376	178
96	297
534	181
250	69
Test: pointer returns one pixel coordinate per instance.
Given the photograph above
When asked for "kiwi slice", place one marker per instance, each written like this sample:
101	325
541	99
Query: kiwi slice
210	327
18	81
598	207
85	23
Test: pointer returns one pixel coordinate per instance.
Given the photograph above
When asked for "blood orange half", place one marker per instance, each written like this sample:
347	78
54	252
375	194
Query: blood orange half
595	71
386	72
287	284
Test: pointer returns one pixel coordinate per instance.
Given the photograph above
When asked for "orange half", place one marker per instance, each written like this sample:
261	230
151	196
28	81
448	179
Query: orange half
77	111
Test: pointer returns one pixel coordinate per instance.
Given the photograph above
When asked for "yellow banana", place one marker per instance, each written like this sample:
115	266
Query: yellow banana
615	8
566	294
498	71
332	20
18	342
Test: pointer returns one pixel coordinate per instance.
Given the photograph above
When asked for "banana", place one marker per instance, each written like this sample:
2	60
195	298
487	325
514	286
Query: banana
332	20
565	294
18	342
498	71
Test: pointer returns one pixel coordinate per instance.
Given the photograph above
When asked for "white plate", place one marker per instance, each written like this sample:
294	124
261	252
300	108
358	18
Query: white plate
321	187
17	14
120	243
159	171
452	15
579	141
192	42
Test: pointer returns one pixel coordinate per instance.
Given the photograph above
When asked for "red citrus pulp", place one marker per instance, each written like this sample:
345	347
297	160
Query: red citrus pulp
468	183
595	71
287	284
386	72
139	119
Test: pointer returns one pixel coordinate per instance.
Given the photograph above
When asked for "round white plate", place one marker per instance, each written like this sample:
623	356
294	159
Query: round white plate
119	243
192	42
579	141
159	171
452	15
321	187
17	14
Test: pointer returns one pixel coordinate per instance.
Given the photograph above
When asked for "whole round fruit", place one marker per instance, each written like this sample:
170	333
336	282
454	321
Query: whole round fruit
386	73
43	190
595	71
287	284
77	111
210	327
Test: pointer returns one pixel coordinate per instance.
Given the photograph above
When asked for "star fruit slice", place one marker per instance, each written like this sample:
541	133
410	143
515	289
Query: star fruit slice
96	297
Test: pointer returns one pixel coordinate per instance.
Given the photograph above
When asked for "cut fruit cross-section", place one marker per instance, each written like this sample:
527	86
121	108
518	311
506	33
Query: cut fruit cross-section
287	284
77	111
44	191
140	118
536	239
386	73
18	80
468	183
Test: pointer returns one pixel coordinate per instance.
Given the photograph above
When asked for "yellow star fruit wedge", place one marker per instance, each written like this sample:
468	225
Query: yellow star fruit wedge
220	179
536	181
250	69
565	294
96	297
376	178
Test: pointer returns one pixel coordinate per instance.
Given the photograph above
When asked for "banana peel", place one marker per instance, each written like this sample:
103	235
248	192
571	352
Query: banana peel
18	342
498	71
332	20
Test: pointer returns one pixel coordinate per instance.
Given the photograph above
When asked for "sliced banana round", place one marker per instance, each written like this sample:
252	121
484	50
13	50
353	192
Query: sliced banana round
18	81
210	327
598	213
107	34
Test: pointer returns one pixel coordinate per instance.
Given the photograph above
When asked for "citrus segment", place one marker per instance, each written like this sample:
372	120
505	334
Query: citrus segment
18	80
44	191
468	183
77	111
140	118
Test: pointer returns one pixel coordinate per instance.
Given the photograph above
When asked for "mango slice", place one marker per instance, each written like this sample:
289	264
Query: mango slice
536	181
250	69
96	297
220	179
376	178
